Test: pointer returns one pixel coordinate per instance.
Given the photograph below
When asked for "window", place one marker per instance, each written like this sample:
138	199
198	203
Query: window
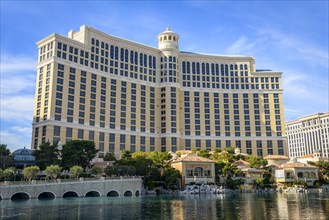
68	132
57	130
91	135
122	138
80	133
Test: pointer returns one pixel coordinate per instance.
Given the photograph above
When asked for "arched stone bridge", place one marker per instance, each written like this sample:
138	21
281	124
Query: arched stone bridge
78	188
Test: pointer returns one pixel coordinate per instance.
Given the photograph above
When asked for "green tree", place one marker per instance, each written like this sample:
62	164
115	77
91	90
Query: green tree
125	170
8	173
224	156
323	168
78	153
5	158
143	166
160	159
171	177
203	153
139	155
109	156
230	150
46	155
256	161
126	155
259	182
97	171
234	183
110	171
53	171
30	172
76	171
4	151
1	174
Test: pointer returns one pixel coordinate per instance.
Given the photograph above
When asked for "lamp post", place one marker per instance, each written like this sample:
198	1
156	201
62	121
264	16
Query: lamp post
15	173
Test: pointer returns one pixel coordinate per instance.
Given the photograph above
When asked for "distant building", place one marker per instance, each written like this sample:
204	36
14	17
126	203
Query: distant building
308	135
125	95
315	157
22	158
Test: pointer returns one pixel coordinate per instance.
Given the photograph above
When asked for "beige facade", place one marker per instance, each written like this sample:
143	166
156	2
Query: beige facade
295	171
308	135
125	95
248	174
195	169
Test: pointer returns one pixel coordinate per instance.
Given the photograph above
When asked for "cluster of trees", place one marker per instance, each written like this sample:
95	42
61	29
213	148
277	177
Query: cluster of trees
74	153
5	157
154	167
76	156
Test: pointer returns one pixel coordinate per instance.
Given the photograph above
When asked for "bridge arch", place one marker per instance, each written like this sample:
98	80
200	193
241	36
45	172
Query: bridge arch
137	193
93	193
46	195
70	193
128	193
20	196
113	193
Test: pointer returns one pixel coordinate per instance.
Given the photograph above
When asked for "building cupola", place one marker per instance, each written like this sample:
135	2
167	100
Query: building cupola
168	40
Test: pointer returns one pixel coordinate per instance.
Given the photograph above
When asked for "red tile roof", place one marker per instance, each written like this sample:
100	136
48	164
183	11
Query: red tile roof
276	157
192	158
296	165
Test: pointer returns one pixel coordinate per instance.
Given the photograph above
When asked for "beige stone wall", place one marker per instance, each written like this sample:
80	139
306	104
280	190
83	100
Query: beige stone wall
103	187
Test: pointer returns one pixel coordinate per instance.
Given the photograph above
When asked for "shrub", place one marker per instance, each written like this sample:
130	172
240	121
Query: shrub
76	171
316	183
53	171
30	172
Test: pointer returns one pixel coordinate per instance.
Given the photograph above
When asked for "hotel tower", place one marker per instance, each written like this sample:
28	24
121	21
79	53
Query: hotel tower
125	95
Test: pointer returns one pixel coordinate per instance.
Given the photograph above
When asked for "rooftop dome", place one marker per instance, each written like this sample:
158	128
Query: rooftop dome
23	157
168	40
22	151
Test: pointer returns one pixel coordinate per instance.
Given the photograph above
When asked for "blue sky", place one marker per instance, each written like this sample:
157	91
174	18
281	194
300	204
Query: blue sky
287	36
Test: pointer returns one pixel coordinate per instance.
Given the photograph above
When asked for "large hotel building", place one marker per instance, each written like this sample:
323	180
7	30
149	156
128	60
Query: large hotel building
308	135
126	95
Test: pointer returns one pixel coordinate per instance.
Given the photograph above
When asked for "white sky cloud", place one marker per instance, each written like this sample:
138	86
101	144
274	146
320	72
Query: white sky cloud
10	63
16	84
15	140
17	100
303	49
17	108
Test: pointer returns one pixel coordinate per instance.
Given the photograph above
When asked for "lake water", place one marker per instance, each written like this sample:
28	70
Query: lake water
229	206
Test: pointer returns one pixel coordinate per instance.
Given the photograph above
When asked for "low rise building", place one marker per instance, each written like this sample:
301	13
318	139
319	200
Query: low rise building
195	169
248	173
293	171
